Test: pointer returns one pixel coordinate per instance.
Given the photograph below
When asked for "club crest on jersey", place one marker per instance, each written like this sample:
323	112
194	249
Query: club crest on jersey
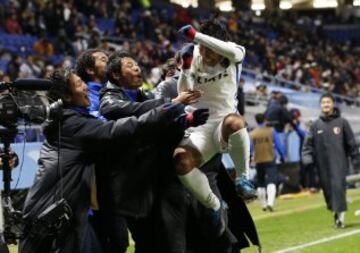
204	80
337	130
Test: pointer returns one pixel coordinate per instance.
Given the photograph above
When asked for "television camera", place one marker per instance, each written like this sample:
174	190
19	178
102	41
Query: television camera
18	101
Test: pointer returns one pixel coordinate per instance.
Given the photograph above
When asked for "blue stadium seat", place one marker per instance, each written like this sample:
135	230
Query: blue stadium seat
106	24
3	64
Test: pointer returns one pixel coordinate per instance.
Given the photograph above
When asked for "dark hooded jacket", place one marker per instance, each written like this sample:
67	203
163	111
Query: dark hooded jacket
83	139
328	145
132	189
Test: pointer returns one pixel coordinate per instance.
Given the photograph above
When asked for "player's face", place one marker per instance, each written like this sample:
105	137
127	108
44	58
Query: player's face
209	57
101	60
327	106
79	92
131	73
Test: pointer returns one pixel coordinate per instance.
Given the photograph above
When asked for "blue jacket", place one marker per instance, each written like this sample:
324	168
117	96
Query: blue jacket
94	96
294	141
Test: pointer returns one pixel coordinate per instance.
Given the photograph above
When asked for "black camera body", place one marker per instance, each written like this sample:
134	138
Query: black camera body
33	112
53	220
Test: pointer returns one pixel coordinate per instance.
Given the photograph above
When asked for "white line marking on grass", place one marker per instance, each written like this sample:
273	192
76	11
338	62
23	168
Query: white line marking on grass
326	239
292	211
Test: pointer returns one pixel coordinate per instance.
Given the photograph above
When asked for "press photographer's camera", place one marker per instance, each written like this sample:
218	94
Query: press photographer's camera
53	220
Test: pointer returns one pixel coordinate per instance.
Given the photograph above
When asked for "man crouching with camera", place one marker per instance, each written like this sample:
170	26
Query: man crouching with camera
56	206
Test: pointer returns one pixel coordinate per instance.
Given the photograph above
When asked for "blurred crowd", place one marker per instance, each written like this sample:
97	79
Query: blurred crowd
277	45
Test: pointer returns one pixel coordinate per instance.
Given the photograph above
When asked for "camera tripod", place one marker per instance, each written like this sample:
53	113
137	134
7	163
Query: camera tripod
10	219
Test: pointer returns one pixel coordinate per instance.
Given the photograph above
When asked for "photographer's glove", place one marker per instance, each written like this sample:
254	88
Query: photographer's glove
194	119
186	54
245	188
187	32
197	117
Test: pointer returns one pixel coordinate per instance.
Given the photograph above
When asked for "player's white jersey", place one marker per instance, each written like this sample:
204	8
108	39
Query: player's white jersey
219	85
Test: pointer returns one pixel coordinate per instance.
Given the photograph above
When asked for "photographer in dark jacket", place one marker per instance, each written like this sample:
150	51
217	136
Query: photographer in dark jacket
77	140
123	97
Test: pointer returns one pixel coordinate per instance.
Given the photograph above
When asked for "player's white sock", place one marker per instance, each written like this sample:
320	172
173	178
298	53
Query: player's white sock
262	196
239	150
271	194
198	184
341	217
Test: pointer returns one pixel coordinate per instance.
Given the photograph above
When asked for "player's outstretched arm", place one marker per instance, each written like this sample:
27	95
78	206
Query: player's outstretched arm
184	82
230	50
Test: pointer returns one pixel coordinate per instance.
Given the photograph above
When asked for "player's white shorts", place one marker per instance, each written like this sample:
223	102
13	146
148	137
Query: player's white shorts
207	139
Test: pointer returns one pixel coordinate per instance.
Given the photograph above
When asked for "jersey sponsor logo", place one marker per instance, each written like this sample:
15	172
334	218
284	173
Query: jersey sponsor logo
337	130
204	80
320	131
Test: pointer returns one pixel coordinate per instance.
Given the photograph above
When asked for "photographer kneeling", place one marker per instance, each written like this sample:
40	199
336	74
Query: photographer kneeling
56	206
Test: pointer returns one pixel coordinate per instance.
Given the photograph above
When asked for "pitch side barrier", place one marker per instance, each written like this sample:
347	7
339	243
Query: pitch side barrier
266	79
353	178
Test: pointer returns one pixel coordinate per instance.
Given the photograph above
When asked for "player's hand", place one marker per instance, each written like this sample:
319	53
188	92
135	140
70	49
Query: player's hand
197	117
187	32
188	97
186	54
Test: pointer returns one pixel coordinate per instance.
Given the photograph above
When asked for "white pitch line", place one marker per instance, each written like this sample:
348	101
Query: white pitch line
326	239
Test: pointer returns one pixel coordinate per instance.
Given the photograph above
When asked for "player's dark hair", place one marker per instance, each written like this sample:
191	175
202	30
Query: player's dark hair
60	88
214	29
114	64
327	95
260	118
85	61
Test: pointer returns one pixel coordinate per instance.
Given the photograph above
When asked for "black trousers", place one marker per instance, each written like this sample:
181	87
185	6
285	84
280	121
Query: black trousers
111	231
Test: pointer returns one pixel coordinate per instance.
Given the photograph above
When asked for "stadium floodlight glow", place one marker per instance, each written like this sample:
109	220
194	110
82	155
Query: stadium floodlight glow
356	3
325	3
185	3
285	5
258	6
224	5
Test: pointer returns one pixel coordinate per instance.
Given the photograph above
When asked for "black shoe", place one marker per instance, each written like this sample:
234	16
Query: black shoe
339	224
264	209
270	208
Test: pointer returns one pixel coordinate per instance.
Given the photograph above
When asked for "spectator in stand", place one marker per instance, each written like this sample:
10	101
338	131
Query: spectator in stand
12	24
167	88
13	67
43	49
29	69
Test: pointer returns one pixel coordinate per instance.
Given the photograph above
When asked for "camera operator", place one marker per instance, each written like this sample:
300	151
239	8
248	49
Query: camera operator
66	164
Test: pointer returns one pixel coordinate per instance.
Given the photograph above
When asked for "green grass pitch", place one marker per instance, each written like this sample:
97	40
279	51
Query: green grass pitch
301	221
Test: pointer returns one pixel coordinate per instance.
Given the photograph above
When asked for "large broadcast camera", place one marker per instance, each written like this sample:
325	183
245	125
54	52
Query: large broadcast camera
18	101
